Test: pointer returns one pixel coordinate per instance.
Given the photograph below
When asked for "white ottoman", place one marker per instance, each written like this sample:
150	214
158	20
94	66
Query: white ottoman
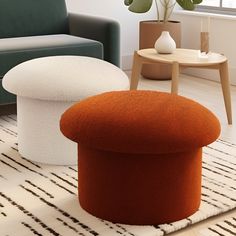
45	88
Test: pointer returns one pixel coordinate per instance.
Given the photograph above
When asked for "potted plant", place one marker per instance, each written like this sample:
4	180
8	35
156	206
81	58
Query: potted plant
149	31
141	6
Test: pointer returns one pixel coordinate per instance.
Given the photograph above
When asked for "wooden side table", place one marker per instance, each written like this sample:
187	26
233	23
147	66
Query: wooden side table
183	58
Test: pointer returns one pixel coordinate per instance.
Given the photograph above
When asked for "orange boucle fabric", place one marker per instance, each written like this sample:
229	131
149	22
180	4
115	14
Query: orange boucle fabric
140	122
140	154
139	189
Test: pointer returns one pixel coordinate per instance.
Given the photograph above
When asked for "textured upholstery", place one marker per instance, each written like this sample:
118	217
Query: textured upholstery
140	154
171	122
14	51
139	188
32	26
99	29
45	88
64	78
30	17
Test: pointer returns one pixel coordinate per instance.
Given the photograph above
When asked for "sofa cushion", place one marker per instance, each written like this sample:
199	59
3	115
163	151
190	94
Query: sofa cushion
16	50
36	18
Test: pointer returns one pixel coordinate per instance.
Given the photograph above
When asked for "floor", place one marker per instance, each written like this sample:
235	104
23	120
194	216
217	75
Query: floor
209	94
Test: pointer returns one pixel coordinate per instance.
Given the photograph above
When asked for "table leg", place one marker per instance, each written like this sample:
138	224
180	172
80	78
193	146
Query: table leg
224	78
136	70
175	77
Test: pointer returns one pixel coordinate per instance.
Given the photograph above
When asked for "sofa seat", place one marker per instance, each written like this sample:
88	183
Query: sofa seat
45	28
16	50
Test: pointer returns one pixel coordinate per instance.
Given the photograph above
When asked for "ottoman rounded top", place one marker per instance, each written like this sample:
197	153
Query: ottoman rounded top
64	78
140	122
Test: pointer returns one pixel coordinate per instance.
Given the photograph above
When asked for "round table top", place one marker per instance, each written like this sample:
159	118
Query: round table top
187	57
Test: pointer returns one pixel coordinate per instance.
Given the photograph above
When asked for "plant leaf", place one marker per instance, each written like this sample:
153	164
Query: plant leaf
128	2
188	4
140	6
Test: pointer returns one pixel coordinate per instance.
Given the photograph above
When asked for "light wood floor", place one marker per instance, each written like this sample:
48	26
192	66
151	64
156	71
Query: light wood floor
209	94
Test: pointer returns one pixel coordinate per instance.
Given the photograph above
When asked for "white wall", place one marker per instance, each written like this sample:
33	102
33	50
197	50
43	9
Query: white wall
222	31
115	9
222	38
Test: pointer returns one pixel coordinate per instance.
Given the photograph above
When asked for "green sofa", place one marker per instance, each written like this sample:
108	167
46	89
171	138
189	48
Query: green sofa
37	28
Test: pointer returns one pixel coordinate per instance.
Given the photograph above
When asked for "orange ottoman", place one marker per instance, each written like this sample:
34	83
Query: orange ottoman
140	154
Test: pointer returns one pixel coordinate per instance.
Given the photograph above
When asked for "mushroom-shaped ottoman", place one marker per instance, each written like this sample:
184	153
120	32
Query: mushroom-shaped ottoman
139	154
45	88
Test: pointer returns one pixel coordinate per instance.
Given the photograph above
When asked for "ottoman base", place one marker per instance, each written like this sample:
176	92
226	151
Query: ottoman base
39	136
139	188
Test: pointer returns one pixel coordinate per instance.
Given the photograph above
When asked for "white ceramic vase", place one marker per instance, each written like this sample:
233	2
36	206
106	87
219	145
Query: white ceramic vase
165	44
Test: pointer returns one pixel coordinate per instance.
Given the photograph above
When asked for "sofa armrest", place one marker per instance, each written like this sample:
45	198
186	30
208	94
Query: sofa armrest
104	30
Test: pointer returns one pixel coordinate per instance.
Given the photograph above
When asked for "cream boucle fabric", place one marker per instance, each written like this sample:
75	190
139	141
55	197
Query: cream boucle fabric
45	88
64	78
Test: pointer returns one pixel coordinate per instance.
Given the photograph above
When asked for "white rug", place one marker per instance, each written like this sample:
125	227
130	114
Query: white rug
38	199
223	228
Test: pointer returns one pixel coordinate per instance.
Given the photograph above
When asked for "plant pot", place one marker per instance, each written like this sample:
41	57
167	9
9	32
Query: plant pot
149	32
